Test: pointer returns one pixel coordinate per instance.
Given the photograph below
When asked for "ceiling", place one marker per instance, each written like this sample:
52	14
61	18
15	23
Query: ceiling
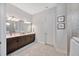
33	8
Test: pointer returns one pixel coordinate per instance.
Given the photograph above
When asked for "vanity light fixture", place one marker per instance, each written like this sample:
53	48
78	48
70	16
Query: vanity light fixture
27	22
7	23
9	18
15	19
12	18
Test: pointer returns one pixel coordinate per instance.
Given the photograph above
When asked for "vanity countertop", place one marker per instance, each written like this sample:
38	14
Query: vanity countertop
17	34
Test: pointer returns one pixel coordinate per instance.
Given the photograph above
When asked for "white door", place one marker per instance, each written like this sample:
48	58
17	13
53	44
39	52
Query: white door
50	24
2	29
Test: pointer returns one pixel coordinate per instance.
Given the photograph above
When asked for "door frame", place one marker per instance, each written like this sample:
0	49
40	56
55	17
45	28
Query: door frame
3	29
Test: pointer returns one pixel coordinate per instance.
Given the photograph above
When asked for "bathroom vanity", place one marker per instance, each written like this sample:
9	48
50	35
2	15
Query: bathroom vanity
16	42
18	29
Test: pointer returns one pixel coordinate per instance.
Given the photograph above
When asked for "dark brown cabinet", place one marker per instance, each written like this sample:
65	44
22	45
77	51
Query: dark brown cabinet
21	41
15	43
11	44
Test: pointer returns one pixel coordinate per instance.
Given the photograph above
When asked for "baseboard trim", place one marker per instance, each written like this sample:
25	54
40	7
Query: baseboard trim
41	42
49	45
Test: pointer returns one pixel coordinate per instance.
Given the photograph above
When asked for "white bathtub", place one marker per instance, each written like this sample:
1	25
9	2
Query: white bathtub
74	46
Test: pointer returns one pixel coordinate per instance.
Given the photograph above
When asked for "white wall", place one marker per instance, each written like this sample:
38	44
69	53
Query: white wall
71	13
2	29
74	18
61	35
44	26
72	21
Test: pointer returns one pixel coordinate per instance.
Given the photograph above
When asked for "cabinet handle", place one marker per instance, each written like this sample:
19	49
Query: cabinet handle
0	42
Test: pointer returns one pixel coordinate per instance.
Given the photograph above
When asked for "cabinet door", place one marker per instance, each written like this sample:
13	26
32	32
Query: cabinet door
24	40
33	37
11	45
30	38
21	41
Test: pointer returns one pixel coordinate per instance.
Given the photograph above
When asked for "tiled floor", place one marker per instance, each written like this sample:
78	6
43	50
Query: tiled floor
37	49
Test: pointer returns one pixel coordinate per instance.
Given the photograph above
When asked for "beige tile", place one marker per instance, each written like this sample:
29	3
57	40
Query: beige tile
36	49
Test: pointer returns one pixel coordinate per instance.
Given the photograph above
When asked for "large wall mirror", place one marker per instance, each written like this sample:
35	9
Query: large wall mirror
17	26
18	21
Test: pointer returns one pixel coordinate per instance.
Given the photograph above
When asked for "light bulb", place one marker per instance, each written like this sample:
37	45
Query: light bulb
8	24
